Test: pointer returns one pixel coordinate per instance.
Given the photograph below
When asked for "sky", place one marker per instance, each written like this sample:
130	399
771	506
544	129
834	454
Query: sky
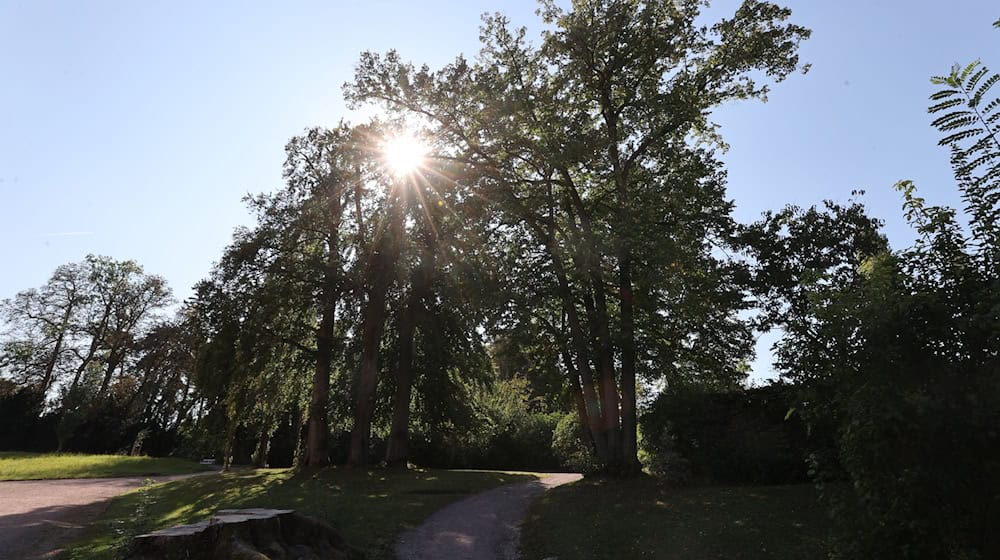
134	129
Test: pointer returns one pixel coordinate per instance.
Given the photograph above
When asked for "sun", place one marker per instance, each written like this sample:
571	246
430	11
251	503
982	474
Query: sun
404	153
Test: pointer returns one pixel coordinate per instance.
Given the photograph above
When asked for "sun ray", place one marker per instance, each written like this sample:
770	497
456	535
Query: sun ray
404	153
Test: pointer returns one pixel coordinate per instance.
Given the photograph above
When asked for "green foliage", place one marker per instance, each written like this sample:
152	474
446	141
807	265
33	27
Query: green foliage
508	429
570	449
967	112
899	351
593	157
737	436
22	407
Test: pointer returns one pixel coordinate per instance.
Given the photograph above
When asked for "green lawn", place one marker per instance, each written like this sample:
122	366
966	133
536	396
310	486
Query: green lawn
643	518
369	507
35	466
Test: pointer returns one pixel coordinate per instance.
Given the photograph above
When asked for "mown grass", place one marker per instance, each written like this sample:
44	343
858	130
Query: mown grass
642	518
369	508
36	466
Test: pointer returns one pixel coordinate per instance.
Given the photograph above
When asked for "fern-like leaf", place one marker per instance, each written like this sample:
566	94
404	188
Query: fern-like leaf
983	89
937	108
938	95
974	139
991	106
961	77
960	136
970	84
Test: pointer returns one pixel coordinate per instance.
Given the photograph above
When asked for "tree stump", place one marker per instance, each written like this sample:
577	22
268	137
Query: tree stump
246	534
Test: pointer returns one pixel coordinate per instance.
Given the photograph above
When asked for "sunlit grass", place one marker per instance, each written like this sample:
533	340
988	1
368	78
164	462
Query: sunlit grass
35	466
641	518
369	508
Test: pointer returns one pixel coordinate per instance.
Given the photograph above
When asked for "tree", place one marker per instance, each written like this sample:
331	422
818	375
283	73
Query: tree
582	143
41	324
897	350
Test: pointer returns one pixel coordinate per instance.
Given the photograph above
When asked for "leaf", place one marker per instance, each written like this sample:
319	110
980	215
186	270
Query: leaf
944	105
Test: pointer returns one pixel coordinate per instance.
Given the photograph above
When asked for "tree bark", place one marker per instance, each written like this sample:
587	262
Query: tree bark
593	410
415	312
317	454
397	448
380	279
50	365
600	324
583	417
630	428
263	444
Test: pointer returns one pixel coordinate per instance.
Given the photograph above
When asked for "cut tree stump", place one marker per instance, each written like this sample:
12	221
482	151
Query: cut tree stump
246	534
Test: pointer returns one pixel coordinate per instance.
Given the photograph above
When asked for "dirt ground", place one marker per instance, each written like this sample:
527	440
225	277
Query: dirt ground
486	526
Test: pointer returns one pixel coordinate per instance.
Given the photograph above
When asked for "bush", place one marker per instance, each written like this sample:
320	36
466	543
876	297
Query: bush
569	448
21	413
509	430
665	461
730	437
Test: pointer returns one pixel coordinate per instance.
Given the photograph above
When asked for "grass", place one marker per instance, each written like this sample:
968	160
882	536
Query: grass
642	518
36	466
368	507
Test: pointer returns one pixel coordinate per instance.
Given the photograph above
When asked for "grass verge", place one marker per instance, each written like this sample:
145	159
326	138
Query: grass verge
368	507
37	466
642	518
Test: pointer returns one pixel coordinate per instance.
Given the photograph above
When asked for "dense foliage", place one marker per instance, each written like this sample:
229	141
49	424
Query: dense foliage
899	350
733	437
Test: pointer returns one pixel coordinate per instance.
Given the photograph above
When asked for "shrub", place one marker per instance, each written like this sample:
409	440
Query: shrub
508	430
569	448
731	437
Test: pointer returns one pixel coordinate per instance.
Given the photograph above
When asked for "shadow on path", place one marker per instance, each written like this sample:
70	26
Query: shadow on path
38	517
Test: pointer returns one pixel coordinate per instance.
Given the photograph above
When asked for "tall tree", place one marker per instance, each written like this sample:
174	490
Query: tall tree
43	320
580	142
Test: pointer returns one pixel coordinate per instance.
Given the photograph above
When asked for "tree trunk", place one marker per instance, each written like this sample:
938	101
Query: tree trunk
227	447
415	312
263	444
95	343
581	404
630	429
364	403
397	449
594	417
50	365
317	452
600	326
380	278
608	383
115	358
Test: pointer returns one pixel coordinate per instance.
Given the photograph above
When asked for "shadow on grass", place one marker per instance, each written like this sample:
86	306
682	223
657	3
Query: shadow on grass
369	507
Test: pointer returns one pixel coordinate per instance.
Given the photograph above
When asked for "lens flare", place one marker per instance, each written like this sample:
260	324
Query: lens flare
404	153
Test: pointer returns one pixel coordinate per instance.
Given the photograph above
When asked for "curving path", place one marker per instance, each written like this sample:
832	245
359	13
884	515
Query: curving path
486	526
38	517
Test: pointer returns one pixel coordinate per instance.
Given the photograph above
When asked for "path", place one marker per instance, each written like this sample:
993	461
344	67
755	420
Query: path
482	527
37	517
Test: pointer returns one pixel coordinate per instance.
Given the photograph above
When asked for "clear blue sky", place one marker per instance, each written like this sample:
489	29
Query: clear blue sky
133	129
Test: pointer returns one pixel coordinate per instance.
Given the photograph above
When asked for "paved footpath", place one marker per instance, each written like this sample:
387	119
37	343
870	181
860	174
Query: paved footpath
38	517
486	526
